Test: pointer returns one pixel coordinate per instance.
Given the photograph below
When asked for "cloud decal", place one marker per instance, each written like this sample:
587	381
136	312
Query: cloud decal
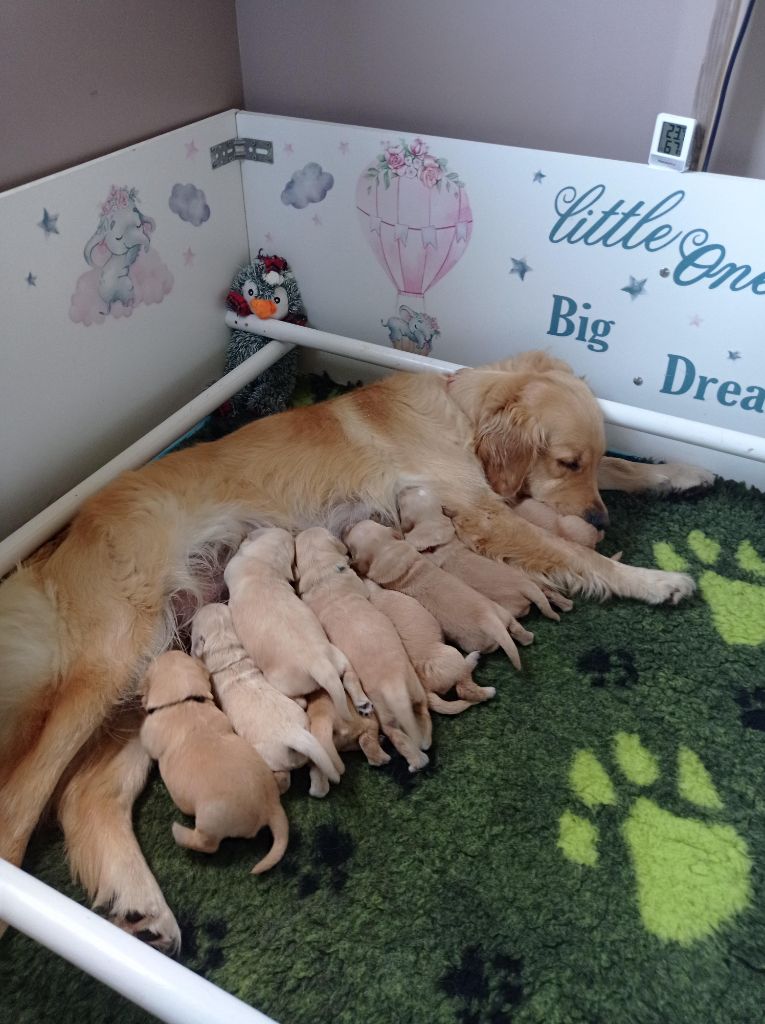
307	186
190	204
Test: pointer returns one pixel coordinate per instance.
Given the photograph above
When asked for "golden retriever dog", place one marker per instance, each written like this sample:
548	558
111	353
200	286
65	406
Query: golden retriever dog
426	528
83	618
210	772
274	724
360	732
339	600
278	631
439	666
467	617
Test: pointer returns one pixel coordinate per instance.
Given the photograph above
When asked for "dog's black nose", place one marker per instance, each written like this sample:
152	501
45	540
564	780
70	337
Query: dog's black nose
596	517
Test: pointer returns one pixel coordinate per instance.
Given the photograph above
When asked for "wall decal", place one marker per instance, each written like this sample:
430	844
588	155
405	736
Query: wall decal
190	204
520	267
538	177
412	331
191	149
125	271
31	279
635	287
307	186
188	257
49	223
415	214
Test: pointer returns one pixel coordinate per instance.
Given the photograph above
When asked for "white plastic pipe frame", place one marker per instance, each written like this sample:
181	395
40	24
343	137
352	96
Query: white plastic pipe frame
146	977
143	975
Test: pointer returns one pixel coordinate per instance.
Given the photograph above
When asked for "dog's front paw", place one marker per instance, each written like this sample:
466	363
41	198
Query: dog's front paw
679	476
670	588
156	927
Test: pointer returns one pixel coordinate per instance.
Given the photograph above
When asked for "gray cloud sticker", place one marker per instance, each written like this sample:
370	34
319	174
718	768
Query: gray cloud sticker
190	204
307	186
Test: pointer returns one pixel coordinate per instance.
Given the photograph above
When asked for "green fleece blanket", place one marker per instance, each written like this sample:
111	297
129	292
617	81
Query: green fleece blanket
587	847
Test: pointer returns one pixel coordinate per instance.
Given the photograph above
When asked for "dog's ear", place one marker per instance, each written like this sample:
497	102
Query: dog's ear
198	645
508	441
431	533
361	564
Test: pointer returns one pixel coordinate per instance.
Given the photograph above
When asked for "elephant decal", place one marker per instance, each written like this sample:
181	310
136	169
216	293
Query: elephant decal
412	331
125	270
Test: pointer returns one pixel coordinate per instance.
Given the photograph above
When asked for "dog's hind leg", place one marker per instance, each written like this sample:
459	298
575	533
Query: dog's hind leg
95	807
195	839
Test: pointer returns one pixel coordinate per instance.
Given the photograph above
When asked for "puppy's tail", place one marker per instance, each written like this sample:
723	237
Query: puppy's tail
280	829
328	678
306	744
399	703
506	643
447	707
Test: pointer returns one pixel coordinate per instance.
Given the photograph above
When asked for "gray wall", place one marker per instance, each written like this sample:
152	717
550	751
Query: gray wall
580	77
79	78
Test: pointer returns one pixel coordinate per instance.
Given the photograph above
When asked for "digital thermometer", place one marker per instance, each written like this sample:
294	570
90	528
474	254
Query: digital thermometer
674	142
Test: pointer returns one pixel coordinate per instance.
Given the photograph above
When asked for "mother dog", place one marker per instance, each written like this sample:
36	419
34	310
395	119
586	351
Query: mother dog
83	619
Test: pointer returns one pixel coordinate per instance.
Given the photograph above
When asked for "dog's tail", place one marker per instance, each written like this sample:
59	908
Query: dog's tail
506	643
280	829
328	678
305	743
447	707
399	704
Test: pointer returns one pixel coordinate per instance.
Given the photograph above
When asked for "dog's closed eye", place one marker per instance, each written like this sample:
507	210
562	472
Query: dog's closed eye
571	464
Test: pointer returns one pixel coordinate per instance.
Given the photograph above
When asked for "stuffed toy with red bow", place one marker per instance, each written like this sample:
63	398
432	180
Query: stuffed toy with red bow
267	289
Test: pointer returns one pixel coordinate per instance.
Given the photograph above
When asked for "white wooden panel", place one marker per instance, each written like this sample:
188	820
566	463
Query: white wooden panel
83	377
676	267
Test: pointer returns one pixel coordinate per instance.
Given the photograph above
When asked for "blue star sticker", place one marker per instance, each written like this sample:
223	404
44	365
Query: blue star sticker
31	279
733	355
635	287
520	267
538	176
49	223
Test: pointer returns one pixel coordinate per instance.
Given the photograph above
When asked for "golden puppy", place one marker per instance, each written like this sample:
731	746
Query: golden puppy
432	533
338	598
362	732
467	617
210	772
274	724
278	631
439	666
571	527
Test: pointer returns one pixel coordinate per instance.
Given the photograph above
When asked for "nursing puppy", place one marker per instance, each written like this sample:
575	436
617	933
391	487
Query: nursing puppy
439	666
431	532
210	772
467	617
570	527
276	726
338	598
361	732
278	631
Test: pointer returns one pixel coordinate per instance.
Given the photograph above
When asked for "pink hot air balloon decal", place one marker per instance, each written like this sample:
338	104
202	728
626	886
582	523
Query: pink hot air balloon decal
416	216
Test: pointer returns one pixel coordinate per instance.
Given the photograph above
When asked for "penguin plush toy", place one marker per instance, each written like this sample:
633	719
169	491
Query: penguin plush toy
266	288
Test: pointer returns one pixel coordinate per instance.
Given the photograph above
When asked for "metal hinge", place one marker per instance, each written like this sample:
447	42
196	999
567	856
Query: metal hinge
241	149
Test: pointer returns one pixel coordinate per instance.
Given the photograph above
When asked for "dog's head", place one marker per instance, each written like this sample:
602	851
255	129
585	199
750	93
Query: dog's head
422	519
173	677
538	430
211	625
317	549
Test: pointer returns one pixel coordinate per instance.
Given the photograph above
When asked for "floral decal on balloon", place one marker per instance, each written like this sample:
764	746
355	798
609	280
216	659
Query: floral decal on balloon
415	214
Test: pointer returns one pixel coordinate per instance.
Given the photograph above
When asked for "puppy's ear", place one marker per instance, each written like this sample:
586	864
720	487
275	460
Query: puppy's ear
361	564
430	534
198	645
508	441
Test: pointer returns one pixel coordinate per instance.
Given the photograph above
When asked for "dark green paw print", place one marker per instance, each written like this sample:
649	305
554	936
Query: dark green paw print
486	989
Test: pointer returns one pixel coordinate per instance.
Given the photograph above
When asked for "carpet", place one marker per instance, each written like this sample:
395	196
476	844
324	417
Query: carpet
586	848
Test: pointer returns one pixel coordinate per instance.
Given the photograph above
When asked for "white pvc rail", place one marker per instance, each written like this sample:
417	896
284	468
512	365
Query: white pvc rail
141	974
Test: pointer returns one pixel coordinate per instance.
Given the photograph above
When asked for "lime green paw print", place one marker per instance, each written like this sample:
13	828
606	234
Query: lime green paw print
738	607
691	876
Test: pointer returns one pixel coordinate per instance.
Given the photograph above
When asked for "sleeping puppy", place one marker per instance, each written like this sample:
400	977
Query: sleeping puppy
338	598
431	532
277	727
467	617
571	527
278	631
360	733
210	772
439	666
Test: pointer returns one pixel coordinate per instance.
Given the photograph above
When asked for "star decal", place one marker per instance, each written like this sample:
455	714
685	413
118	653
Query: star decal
191	149
49	223
188	257
695	320
539	176
316	219
288	147
344	147
31	279
733	355
635	287
269	237
520	267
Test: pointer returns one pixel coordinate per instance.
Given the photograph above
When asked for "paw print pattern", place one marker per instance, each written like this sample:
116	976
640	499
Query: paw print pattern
691	876
202	947
752	704
330	851
738	607
486	989
609	668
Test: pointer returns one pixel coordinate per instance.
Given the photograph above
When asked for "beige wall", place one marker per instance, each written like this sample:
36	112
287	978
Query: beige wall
79	78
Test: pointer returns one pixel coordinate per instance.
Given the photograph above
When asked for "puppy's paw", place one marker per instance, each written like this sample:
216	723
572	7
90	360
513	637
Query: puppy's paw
418	762
365	708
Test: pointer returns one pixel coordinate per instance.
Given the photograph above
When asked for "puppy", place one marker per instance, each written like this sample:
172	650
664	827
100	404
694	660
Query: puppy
338	598
467	617
278	631
431	532
571	527
276	726
360	733
210	772
439	666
